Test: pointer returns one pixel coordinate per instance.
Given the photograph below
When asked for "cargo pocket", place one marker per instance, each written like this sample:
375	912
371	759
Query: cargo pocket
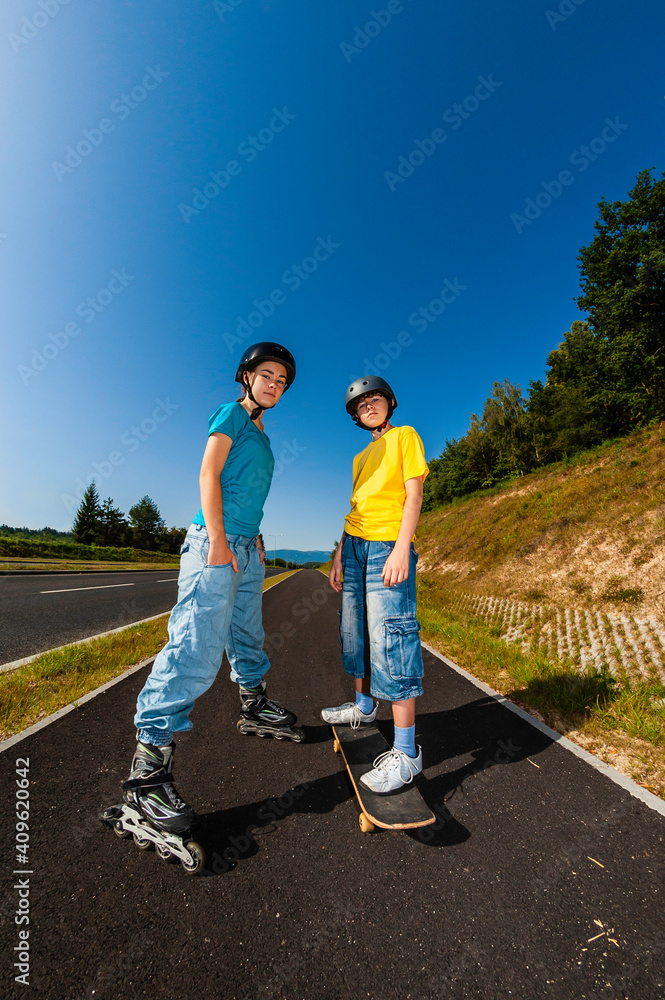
345	637
403	653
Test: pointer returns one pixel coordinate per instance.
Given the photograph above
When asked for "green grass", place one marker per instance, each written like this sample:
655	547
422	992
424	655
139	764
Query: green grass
18	564
15	546
56	679
588	701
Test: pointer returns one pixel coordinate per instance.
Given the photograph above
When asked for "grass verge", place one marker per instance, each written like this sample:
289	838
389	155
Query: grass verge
622	723
54	680
18	565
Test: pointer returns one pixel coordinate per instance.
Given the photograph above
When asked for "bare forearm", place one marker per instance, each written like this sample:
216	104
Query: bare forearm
409	522
211	503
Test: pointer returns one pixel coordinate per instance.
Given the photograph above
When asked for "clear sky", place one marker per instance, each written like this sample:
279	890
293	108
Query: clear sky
400	145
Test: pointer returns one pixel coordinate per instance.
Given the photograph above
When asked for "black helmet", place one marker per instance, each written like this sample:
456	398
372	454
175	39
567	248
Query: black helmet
361	386
266	351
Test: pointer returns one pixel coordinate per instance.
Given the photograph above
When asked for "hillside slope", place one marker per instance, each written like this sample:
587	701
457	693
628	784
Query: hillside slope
590	532
552	590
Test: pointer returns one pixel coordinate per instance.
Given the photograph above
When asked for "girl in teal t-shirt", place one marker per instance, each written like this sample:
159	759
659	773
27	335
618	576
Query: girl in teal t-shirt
220	588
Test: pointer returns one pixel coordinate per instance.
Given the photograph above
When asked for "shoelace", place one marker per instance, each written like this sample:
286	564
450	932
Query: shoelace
385	761
355	718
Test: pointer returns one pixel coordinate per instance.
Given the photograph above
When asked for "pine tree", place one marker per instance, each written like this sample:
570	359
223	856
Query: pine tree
113	523
146	523
87	525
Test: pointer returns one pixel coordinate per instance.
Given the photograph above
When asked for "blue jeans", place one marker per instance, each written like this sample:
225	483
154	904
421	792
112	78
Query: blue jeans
217	608
379	631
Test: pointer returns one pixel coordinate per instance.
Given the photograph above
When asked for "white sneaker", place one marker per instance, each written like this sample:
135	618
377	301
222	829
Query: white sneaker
349	712
392	770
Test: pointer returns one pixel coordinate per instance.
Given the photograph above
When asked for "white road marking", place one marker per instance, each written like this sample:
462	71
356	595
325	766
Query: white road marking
70	590
172	580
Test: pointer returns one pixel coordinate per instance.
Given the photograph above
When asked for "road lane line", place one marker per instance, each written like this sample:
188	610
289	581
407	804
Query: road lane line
172	580
70	590
24	661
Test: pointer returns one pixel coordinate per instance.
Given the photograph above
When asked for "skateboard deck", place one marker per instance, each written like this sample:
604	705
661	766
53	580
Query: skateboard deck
401	810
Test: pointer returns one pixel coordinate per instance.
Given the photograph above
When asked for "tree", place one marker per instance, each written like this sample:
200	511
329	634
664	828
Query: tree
566	413
146	523
622	277
87	525
113	524
171	540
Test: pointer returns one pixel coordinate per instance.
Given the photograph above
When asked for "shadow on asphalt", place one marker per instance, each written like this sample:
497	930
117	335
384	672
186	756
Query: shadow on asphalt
230	836
482	733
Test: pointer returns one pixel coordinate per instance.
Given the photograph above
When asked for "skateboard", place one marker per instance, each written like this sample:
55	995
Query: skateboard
401	810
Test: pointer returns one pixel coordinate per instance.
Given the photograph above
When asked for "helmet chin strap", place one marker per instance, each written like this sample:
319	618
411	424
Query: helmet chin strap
258	410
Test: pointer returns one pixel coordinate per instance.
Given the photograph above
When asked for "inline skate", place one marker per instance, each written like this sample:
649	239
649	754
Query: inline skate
153	813
262	716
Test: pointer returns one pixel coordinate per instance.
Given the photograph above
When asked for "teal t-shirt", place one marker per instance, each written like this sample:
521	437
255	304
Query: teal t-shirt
247	473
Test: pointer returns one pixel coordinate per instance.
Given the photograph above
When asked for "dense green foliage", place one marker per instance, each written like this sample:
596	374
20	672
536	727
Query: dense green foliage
605	379
31	548
38	534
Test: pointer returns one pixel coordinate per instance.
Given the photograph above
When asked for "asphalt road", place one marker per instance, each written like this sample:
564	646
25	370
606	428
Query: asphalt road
543	879
40	612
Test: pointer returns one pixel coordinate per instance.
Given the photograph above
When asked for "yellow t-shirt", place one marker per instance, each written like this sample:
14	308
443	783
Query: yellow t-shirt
379	474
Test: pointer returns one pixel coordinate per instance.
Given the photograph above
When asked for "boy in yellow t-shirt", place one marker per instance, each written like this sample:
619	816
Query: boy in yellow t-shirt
379	629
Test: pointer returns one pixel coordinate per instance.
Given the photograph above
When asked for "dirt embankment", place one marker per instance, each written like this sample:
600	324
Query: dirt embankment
589	533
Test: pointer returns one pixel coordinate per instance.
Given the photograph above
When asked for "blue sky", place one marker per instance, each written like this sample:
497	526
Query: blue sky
304	112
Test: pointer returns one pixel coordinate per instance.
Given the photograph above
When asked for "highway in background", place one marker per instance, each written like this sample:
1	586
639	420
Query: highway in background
42	611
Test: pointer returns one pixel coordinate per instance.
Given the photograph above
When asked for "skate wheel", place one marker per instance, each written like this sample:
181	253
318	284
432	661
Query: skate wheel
298	736
336	746
197	860
366	824
120	831
165	853
143	843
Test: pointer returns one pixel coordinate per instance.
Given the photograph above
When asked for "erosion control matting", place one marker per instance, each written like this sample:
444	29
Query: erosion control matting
540	878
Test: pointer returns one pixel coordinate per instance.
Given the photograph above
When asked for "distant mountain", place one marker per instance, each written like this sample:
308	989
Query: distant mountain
297	556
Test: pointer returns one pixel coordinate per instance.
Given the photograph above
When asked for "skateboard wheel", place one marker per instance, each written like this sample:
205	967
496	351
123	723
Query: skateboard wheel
366	824
336	746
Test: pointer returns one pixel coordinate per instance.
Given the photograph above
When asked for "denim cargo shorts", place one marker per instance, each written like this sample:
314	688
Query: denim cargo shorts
379	631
